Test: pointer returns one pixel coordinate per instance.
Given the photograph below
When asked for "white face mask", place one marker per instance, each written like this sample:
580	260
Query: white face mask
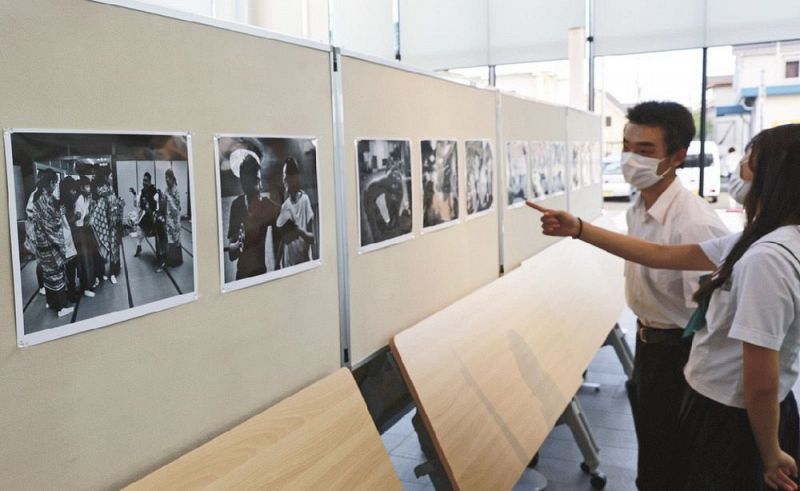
641	172
737	186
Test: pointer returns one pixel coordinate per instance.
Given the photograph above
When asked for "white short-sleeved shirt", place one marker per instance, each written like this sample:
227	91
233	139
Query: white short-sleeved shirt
760	306
662	298
301	213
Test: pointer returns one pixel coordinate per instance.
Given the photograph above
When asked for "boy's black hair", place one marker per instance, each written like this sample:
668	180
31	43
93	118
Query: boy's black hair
291	167
674	119
249	168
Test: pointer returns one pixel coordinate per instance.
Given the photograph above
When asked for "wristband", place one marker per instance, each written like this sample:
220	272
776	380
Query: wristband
580	229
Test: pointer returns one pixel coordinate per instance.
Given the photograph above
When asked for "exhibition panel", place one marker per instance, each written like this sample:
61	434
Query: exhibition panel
526	125
99	409
406	261
586	165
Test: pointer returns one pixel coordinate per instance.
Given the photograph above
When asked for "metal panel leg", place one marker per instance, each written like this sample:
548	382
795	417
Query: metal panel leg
574	418
616	338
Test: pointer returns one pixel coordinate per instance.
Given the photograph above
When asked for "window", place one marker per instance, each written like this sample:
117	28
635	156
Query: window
608	121
793	69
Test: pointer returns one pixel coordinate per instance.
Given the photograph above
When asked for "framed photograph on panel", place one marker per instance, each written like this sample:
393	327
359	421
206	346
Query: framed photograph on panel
439	184
596	163
101	226
586	163
517	158
480	177
539	169
576	171
384	192
558	167
268	207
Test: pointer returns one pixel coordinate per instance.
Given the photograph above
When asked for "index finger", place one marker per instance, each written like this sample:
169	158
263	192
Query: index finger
537	207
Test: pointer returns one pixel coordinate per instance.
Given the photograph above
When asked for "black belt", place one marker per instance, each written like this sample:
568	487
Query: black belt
654	335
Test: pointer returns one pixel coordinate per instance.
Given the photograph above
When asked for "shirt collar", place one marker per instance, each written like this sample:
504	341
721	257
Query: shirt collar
659	209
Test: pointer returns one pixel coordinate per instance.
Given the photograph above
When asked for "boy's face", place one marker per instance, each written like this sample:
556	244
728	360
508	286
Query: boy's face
251	183
86	189
291	182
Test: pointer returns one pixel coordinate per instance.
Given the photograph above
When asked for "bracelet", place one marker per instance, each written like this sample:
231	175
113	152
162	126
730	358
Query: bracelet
580	229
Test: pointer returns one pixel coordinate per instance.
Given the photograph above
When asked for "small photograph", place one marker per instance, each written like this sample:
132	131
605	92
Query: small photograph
384	192
439	182
540	160
558	167
102	228
517	152
596	163
582	163
268	198
576	172
480	176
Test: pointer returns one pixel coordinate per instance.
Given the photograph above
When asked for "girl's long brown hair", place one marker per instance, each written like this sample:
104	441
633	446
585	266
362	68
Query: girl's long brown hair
774	197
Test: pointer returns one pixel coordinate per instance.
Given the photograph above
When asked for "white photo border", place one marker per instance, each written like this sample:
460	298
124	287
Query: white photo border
450	223
24	340
495	197
394	240
227	287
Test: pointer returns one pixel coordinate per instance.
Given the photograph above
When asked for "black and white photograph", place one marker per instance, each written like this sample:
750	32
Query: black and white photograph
539	169
480	176
517	155
102	228
558	167
596	162
576	171
384	192
439	183
581	164
268	207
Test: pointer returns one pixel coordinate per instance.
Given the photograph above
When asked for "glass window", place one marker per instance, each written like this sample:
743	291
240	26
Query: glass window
792	69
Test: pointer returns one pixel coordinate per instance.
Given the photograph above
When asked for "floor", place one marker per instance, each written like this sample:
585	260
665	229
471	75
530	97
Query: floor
137	284
607	411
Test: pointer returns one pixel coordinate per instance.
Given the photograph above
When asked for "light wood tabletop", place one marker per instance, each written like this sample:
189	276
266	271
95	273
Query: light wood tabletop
492	373
320	438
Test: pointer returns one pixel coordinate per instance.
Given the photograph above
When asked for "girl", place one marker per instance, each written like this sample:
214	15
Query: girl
174	254
739	421
47	217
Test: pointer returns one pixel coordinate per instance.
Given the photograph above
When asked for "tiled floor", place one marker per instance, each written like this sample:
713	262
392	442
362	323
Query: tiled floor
608	413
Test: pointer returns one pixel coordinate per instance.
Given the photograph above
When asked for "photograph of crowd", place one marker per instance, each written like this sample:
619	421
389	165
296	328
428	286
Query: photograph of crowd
439	182
540	160
558	167
480	176
384	191
102	228
268	199
517	153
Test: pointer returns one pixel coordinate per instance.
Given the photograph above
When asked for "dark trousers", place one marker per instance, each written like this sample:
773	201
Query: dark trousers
718	450
87	250
655	391
71	270
56	299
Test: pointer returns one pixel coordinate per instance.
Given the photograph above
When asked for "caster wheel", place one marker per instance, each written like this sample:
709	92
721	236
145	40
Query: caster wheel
598	481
